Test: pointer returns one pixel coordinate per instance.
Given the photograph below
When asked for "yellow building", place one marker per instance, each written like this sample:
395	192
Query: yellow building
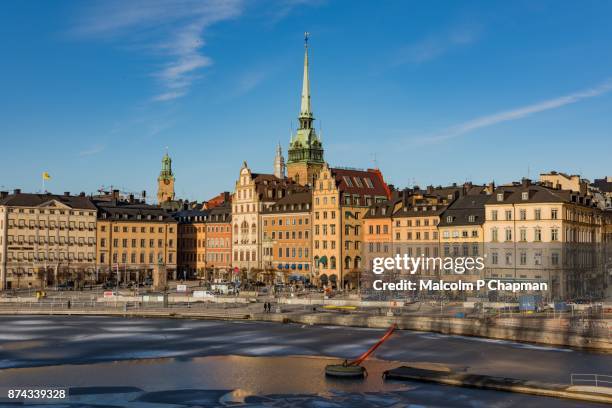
341	198
46	239
191	243
134	238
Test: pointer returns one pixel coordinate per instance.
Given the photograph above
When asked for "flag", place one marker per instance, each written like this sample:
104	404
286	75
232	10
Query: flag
46	176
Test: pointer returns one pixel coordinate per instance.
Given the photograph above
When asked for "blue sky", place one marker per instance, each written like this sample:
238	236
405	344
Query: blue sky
438	92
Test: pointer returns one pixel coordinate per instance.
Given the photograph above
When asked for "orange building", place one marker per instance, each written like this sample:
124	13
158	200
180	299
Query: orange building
287	238
218	260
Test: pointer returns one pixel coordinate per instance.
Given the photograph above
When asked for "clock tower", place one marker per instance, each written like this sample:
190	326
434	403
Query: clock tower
165	181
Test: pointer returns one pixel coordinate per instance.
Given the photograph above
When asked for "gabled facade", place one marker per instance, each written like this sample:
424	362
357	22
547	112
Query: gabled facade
341	197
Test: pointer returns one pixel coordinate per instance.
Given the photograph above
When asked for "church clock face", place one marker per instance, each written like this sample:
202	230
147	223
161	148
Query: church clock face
166	181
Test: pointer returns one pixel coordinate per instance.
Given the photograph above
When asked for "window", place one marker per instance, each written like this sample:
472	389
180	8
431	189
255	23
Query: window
554	214
500	197
537	234
523	215
525	195
494	215
554	234
538	214
508	215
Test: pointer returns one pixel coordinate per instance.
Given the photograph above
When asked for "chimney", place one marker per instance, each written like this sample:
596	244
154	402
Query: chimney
525	182
430	189
490	188
131	199
115	195
17	191
3	194
82	194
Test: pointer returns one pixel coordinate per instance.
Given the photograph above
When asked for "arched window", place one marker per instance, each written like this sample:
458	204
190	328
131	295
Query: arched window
254	229
332	262
244	228
357	262
347	262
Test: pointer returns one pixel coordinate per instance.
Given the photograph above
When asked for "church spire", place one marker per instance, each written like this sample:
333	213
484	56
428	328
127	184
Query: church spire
279	163
305	108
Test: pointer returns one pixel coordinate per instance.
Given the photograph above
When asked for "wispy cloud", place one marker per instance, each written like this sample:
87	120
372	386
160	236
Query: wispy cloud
171	29
434	46
518	113
99	148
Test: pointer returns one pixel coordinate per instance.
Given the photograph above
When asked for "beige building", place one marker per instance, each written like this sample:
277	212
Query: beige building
341	197
562	181
46	239
535	232
253	194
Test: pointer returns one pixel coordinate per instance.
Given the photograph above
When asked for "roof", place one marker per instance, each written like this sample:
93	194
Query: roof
220	213
80	202
381	210
122	210
362	182
300	201
604	185
420	211
268	186
190	216
537	193
463	209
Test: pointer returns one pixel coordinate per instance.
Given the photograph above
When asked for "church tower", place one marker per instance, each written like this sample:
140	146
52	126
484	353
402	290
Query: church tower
279	163
165	181
305	147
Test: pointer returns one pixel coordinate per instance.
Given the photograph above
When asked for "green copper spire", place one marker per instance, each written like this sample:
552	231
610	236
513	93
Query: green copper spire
305	111
305	145
166	170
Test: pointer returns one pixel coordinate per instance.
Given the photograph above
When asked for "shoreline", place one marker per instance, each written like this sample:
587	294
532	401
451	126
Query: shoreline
516	330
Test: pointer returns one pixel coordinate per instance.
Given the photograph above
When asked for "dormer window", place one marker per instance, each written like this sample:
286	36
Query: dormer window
500	196
472	218
449	219
525	195
383	211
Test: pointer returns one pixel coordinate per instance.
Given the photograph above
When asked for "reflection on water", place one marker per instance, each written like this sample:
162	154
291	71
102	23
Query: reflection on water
247	381
252	375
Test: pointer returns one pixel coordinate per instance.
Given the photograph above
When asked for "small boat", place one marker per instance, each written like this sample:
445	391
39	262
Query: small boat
342	370
353	369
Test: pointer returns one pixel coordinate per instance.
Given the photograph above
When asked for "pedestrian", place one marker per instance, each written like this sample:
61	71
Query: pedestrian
265	307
